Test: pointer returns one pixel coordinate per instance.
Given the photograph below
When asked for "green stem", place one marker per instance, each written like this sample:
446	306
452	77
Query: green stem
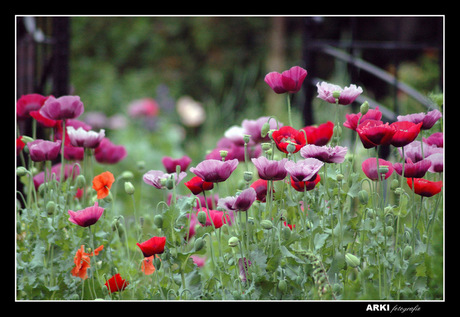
289	108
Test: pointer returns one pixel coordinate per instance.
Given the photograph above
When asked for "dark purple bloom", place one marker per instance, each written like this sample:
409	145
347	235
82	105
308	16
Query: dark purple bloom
270	169
215	171
241	202
411	169
109	153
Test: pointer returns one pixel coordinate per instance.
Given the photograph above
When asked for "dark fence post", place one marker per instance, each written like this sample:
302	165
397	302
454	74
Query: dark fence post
61	36
308	32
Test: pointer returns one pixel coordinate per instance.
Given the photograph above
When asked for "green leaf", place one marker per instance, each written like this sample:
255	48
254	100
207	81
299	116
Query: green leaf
319	240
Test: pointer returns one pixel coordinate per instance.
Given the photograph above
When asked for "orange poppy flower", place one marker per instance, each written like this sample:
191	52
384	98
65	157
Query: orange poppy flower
147	265
82	262
102	184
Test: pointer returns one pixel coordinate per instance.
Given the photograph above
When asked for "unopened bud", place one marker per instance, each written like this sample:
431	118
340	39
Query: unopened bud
26	139
127	175
50	207
339	177
21	171
233	242
199	244
265	129
337	130
352	260
201	216
363	197
388	209
282	285
129	188
407	252
80	181
170	183
266	224
158	221
394	184
364	108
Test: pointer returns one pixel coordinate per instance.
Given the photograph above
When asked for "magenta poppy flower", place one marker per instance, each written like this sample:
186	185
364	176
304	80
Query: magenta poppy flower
326	154
427	120
215	171
307	185
347	94
82	138
270	169
65	107
146	107
28	103
109	153
86	217
406	132
319	135
411	169
414	150
288	135
369	167
73	153
353	119
155	177
254	128
70	170
436	139
374	133
303	170
241	202
170	164
288	81
42	150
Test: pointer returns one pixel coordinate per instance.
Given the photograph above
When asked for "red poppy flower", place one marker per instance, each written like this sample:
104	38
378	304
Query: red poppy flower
82	262
116	283
288	135
308	185
28	103
406	132
373	133
321	134
198	185
260	186
102	184
155	245
425	187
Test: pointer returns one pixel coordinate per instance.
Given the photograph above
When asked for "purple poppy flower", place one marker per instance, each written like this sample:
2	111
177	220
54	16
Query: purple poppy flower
347	94
70	170
304	170
243	265
87	216
241	202
369	167
170	164
65	107
109	153
288	81
428	119
413	170
326	154
435	139
437	163
270	169
215	171
154	178
87	139
254	127
42	150
413	151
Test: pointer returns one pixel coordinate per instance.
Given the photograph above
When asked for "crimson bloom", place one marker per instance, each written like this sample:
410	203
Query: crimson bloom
86	217
307	185
270	169
288	135
219	218
321	134
45	122
155	245
424	187
353	119
288	81
369	167
197	185
116	283
215	171
374	133
42	150
65	107
406	132
28	103
260	186
170	164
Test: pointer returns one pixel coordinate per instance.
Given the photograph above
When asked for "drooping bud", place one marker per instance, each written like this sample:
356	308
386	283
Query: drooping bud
394	184
352	260
363	197
265	129
266	224
80	181
407	252
233	242
21	171
199	244
158	221
282	285
50	207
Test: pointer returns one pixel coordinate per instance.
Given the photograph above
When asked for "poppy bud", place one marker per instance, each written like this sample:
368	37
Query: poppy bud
265	129
170	183
337	131
50	207
282	285
266	224
352	260
26	139
129	188
21	171
233	242
364	108
407	252
286	233
80	181
141	165
388	209
158	221
127	175
201	216
199	244
394	184
339	177
363	197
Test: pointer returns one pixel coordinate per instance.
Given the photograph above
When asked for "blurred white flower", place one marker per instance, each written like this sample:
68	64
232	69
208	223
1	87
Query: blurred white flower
191	112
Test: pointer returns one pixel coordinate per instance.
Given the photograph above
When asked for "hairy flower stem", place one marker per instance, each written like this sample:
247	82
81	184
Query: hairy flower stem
289	108
61	179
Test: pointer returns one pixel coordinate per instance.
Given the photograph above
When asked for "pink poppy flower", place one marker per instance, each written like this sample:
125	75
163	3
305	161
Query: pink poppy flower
155	177
254	128
270	169
170	164
347	94
428	119
435	139
369	167
146	107
437	163
326	154
70	170
87	139
215	171
86	217
414	150
241	202
65	107
303	170
42	150
288	81
109	153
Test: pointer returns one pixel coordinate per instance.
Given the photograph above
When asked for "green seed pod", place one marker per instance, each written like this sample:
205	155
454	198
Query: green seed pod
158	221
247	176
407	252
352	260
266	146
290	148
266	224
246	138
199	244
336	94
223	154
282	286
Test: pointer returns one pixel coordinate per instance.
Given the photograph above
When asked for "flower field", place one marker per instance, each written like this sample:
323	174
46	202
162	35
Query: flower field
273	212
